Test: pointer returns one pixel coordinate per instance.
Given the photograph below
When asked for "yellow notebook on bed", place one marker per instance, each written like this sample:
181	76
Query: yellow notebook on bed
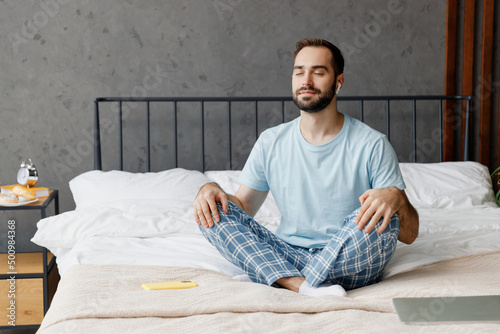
169	285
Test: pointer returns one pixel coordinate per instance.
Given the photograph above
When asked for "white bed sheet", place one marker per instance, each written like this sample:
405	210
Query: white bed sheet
148	218
188	250
447	234
444	234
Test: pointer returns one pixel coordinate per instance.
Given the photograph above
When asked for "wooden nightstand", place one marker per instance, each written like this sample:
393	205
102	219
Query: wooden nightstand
35	275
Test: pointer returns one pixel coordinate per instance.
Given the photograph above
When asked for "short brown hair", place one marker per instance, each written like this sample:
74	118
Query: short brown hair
337	57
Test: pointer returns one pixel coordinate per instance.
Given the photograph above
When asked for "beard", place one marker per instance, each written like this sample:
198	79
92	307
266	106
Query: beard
310	104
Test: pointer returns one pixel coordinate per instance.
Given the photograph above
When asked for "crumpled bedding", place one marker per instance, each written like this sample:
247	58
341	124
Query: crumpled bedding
108	298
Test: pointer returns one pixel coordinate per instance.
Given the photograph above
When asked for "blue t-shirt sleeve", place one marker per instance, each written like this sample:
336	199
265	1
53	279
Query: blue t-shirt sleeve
384	167
253	174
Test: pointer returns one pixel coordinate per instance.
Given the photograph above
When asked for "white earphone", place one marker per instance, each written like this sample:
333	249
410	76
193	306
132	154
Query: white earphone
338	88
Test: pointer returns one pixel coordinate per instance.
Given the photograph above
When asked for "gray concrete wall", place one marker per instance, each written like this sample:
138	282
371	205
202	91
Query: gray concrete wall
58	55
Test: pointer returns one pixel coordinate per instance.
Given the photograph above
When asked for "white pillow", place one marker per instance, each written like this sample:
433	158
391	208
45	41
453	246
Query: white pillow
228	180
448	184
121	219
98	187
429	185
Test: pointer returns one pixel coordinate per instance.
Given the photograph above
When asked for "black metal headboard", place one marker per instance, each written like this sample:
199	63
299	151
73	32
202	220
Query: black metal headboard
398	113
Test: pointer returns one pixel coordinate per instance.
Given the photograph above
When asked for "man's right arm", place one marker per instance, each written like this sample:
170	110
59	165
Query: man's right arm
205	203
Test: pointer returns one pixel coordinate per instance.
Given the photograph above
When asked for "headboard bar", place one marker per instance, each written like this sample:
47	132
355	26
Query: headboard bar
229	142
414	129
441	126
120	103
202	133
467	129
282	99
148	124
97	137
176	143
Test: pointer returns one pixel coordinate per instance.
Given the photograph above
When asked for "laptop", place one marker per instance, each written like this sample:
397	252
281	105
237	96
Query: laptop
436	310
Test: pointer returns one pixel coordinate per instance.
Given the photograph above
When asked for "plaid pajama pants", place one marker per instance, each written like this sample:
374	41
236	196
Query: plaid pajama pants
352	258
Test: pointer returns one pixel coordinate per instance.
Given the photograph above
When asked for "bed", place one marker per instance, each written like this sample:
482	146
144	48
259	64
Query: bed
133	226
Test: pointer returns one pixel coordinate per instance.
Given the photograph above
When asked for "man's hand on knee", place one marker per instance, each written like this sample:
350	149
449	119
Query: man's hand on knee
375	204
205	204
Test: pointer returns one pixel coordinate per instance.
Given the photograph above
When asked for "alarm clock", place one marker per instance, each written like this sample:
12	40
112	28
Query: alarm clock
27	174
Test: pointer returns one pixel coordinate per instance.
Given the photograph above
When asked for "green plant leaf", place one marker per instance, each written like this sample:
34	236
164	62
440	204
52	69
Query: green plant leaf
495	171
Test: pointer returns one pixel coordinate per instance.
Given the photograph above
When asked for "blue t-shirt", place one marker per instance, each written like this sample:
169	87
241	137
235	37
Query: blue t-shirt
317	186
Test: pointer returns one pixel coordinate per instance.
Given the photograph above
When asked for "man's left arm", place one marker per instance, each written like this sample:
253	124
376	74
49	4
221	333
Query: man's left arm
378	203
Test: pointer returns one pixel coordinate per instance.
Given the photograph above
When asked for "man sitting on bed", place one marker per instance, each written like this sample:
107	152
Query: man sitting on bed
319	167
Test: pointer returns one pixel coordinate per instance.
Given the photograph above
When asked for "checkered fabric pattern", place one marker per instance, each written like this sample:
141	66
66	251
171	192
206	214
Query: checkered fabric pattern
352	258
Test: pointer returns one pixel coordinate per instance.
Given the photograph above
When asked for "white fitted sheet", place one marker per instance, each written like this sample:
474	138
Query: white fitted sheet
139	223
444	234
179	250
